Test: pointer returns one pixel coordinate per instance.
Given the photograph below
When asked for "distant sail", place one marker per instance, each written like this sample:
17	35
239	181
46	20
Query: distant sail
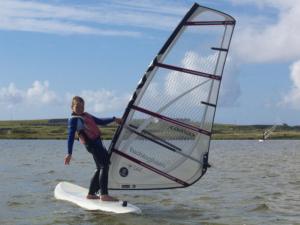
165	136
267	133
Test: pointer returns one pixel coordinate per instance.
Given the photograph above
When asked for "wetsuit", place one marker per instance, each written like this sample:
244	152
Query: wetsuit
94	146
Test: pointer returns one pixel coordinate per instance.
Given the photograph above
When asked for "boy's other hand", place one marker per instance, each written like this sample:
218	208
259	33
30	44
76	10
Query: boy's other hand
68	159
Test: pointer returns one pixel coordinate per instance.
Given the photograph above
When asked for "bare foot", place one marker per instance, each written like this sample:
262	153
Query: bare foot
108	198
92	197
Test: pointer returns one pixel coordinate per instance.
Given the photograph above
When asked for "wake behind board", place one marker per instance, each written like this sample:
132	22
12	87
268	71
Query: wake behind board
77	195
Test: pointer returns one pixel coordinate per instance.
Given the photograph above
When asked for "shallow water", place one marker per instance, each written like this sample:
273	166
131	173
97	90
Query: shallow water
249	183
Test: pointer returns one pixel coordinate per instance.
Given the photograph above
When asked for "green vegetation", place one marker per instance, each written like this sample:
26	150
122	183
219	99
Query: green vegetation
57	129
42	129
227	131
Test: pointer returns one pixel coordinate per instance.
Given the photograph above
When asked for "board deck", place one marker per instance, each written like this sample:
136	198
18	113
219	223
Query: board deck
77	195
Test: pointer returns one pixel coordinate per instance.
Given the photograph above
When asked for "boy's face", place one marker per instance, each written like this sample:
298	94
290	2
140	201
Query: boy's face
78	107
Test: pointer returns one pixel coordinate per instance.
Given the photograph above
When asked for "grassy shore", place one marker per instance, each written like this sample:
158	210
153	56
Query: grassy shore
227	131
42	129
57	129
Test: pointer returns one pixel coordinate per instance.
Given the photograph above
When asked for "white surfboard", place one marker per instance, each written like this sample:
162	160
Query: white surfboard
76	194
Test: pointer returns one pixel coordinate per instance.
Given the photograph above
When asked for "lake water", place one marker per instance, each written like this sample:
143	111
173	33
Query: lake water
249	183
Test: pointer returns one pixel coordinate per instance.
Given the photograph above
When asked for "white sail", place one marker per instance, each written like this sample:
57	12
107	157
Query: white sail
165	136
267	133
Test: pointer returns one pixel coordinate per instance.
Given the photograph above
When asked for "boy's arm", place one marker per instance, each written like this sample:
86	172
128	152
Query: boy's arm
103	121
72	126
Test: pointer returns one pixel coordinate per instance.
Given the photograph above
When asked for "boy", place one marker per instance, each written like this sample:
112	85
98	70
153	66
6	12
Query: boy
89	134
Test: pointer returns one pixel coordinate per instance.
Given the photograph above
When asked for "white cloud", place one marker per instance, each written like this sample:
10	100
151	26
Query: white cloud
269	42
50	18
175	85
154	6
84	19
10	95
40	93
266	3
272	37
104	101
293	97
191	90
230	89
40	100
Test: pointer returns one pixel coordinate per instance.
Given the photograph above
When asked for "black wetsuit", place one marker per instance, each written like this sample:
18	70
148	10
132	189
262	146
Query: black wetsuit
100	179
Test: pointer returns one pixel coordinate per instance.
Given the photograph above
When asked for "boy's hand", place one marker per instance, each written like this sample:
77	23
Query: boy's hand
68	159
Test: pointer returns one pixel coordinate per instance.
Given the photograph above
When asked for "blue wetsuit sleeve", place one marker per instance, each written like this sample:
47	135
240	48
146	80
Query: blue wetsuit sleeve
103	121
72	127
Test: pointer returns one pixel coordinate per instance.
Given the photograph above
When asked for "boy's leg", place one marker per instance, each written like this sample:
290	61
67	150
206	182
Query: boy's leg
103	180
101	159
94	184
100	179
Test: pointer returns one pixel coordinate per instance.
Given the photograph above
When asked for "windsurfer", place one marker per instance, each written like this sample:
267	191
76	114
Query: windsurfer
90	135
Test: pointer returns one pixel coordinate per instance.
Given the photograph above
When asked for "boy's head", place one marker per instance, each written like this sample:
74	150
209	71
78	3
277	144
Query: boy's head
77	105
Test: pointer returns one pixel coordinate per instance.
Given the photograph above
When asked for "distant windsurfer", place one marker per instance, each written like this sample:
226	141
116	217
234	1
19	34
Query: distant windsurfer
264	136
90	135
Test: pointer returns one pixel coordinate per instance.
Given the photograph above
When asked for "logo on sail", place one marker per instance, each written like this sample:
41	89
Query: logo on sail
146	158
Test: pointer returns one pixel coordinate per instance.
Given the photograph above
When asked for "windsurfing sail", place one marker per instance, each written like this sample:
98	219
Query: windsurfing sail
267	133
164	139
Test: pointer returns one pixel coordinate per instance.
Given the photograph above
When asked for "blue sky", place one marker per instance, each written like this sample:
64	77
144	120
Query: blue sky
53	49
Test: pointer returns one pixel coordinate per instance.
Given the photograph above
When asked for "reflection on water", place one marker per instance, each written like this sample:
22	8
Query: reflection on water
249	183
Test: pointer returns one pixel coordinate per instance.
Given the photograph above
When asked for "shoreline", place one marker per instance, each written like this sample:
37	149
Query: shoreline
56	129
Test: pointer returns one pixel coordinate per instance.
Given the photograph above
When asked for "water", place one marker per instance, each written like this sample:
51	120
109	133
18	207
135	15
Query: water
249	183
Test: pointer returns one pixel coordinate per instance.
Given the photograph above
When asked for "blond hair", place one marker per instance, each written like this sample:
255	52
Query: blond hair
76	99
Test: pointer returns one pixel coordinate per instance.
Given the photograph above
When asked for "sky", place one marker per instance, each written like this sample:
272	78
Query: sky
51	50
